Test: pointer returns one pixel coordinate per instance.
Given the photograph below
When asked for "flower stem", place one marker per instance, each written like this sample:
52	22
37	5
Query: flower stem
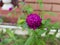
56	32
48	30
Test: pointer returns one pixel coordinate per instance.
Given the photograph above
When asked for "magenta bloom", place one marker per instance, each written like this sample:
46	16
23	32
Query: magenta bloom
33	21
10	9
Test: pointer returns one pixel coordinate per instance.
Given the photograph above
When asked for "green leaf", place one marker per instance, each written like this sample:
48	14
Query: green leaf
39	41
1	43
6	41
10	14
51	13
1	20
46	22
28	9
41	4
42	14
22	3
29	41
24	26
45	12
52	37
23	16
43	21
39	32
20	21
20	41
10	33
56	26
39	0
29	31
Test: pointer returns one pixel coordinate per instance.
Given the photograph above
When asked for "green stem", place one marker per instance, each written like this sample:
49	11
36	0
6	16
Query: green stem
56	32
48	30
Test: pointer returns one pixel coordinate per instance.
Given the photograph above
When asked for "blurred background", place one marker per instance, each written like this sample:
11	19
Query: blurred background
49	5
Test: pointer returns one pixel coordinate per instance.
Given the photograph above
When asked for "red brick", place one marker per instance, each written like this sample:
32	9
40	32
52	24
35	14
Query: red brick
20	0
51	1
47	1
53	18
56	1
56	8
34	6
37	7
47	6
5	13
37	12
30	0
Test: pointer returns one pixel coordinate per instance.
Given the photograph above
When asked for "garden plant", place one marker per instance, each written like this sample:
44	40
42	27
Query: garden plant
35	25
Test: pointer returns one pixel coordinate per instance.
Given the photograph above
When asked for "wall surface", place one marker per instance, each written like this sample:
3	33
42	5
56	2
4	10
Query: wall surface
49	5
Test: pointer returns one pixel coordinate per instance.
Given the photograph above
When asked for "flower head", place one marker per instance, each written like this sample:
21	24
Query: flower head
33	21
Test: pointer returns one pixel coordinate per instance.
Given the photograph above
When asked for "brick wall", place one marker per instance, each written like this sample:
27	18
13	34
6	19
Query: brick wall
49	5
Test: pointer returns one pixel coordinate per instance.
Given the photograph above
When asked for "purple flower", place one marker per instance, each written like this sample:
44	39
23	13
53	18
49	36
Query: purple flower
10	9
33	21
